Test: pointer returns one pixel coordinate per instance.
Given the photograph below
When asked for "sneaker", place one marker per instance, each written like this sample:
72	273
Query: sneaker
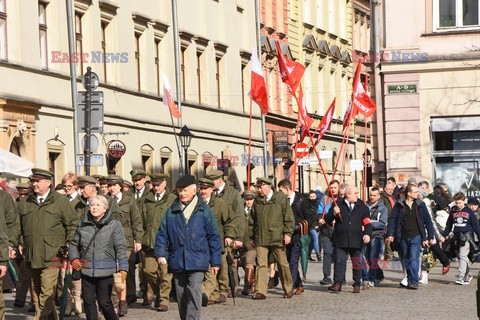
468	278
326	280
371	284
404	282
445	269
460	281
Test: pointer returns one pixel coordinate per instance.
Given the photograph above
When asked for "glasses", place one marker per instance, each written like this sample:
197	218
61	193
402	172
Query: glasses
68	186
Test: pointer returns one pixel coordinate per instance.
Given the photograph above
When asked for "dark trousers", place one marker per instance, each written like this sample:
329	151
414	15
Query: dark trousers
327	256
24	278
293	256
340	266
440	254
98	289
131	286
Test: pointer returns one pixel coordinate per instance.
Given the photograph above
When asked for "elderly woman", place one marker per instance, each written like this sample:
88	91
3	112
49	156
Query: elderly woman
98	245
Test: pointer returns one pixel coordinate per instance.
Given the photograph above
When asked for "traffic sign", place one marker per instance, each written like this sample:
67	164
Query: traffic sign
93	83
302	150
307	161
97	111
93	142
96	160
356	165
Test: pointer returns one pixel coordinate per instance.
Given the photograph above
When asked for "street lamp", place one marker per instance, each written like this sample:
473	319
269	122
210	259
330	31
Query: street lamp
185	138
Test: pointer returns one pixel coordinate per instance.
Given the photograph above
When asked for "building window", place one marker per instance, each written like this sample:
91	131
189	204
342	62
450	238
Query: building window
104	51
137	58
242	73
182	70
78	43
3	30
199	76
147	158
157	66
217	78
454	14
42	26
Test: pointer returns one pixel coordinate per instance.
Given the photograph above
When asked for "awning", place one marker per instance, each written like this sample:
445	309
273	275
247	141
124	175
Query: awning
465	123
13	164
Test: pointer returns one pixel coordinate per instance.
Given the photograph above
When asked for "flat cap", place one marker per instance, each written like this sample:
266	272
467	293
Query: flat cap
84	180
138	173
38	174
262	180
185	181
158	177
23	186
113	179
97	176
205	182
127	183
103	180
412	180
249	194
215	174
471	200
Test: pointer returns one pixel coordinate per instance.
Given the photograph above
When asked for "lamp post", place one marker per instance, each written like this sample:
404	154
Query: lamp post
186	138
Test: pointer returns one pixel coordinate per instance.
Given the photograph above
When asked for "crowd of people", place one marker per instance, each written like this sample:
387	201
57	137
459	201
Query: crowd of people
87	244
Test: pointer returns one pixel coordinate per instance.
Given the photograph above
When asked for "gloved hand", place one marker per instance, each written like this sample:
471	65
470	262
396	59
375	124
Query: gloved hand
63	251
76	264
124	275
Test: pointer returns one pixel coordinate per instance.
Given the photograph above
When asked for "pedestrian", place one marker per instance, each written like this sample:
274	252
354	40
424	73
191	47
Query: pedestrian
272	229
4	246
464	223
248	253
42	242
96	249
189	238
410	226
352	229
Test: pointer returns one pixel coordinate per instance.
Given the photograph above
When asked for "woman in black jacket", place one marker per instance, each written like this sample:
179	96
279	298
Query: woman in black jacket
97	247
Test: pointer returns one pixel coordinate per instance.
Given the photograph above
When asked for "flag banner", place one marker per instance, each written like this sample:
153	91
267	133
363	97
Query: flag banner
168	98
348	116
290	71
324	125
303	116
258	90
361	101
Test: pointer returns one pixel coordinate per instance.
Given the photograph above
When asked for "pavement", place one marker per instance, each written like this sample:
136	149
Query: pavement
441	298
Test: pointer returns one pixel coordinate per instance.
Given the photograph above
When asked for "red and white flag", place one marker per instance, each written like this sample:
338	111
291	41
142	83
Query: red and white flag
324	125
290	71
303	116
361	101
168	98
258	90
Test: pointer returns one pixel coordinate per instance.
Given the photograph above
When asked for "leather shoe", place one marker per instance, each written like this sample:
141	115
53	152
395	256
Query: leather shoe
445	269
31	309
204	299
356	289
131	299
259	296
335	287
122	308
288	295
222	298
157	302
146	302
19	304
299	291
162	308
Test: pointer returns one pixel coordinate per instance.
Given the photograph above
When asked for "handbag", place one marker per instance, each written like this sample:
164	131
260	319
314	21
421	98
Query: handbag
77	274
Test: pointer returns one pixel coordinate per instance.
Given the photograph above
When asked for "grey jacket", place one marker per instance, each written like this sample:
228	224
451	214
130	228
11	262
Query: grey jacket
108	247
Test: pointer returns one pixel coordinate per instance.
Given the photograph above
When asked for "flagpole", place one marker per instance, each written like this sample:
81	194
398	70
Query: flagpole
249	168
365	165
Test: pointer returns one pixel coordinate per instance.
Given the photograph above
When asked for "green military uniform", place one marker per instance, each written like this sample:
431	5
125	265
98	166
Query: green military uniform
226	219
9	235
272	219
46	226
153	210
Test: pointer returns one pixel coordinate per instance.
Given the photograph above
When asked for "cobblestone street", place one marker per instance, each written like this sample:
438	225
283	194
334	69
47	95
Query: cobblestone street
389	300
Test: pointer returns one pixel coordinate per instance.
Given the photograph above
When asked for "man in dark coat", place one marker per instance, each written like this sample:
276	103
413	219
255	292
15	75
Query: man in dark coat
352	228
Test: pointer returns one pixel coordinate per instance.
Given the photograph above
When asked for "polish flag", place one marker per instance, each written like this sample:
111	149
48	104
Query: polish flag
258	91
324	125
168	98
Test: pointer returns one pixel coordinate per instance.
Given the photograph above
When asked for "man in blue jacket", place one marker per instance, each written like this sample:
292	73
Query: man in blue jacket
188	236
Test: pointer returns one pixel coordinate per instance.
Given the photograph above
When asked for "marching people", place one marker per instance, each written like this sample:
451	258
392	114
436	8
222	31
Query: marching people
189	238
43	241
153	208
125	210
352	228
215	288
272	229
310	210
410	226
6	240
389	201
248	254
96	249
464	223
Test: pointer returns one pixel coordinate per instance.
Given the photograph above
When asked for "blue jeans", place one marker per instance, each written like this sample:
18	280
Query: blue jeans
314	241
372	254
411	257
364	263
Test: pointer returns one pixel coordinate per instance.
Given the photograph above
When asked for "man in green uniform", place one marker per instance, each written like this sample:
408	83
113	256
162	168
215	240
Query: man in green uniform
156	203
273	225
48	222
248	254
216	287
125	210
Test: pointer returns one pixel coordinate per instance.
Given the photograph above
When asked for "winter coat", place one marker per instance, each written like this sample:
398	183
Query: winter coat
191	246
247	246
131	192
298	215
271	220
126	211
230	195
378	218
108	247
395	220
152	212
309	208
8	209
45	227
227	220
348	228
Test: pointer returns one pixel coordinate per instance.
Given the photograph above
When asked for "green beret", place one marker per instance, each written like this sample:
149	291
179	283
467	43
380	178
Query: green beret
205	182
138	173
38	174
249	194
262	180
114	179
215	174
84	180
158	177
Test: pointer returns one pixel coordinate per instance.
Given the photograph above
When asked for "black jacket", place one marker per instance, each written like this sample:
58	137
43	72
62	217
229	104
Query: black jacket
298	215
348	229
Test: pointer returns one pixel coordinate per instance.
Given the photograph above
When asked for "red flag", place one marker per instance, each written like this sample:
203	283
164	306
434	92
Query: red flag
168	98
290	71
324	125
361	101
348	115
303	116
258	91
365	84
